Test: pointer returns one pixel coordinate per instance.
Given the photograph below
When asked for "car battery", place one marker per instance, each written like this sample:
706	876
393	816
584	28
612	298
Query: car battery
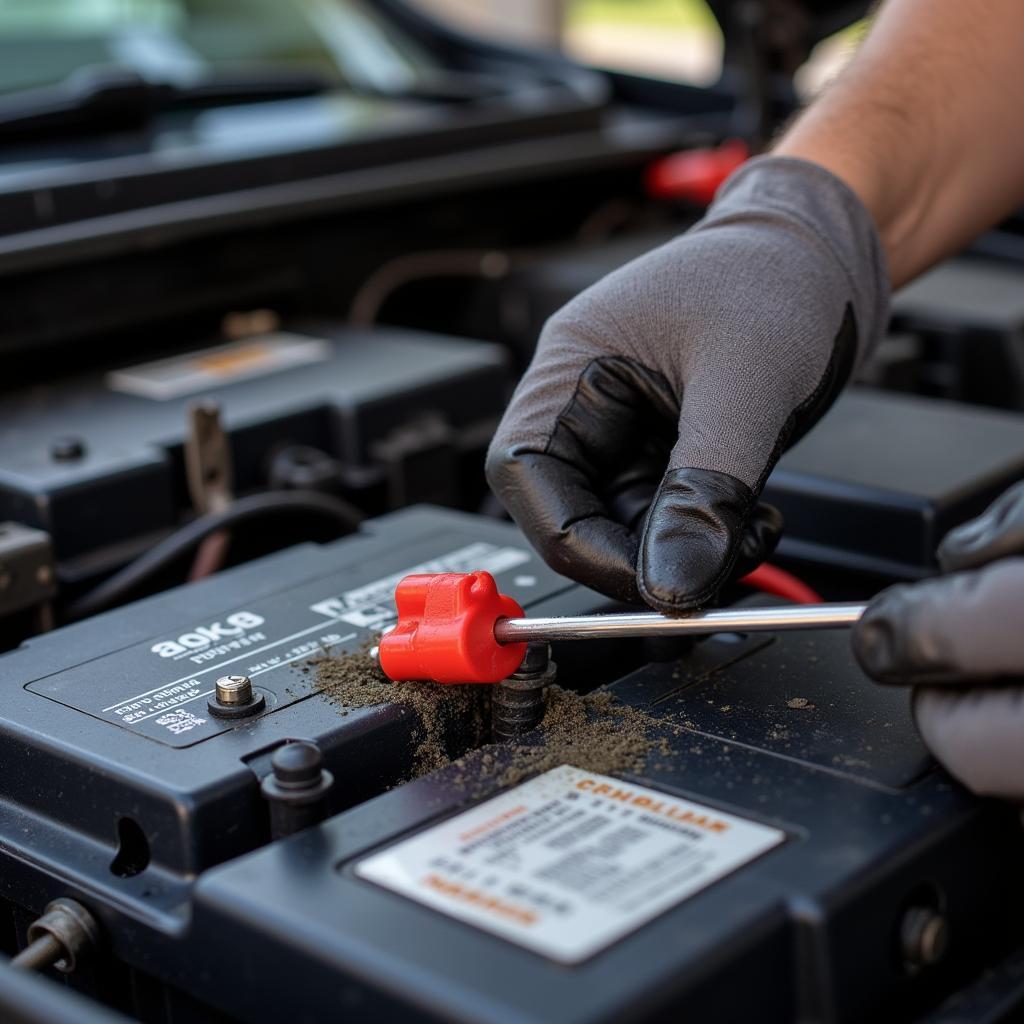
122	785
117	707
803	840
787	852
961	325
97	462
876	484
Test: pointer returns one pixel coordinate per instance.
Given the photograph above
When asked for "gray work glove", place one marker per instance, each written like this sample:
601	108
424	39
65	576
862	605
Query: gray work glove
959	640
658	401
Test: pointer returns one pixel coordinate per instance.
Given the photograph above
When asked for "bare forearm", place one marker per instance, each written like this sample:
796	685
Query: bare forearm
925	125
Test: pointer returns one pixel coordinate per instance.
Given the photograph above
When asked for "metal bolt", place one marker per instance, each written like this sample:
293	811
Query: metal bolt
234	697
234	689
517	703
924	936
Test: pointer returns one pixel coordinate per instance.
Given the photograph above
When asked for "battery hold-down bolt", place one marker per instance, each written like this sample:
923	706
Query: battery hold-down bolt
64	936
234	697
297	788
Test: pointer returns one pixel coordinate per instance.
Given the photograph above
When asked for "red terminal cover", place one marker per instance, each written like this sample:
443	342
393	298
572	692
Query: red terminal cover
445	630
695	175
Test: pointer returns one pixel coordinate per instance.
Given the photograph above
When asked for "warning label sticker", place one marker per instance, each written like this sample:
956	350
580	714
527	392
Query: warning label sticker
372	606
569	862
221	364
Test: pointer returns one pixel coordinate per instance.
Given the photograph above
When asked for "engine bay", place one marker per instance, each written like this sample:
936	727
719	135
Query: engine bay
254	352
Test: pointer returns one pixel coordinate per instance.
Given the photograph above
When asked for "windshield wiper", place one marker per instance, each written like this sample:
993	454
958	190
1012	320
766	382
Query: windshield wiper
97	99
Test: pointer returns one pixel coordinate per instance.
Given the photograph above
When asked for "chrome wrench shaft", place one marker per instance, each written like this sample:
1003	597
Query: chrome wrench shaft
633	624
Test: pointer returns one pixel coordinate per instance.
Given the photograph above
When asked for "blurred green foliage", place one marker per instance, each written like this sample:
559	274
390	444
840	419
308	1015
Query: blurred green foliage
668	14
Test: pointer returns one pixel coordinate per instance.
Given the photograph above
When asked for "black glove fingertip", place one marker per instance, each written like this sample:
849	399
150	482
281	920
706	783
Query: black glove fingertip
876	641
692	538
997	533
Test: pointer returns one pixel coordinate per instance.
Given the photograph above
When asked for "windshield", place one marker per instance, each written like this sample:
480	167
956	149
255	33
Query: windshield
43	42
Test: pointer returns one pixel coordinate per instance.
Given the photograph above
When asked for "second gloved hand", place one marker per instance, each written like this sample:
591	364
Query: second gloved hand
959	640
636	445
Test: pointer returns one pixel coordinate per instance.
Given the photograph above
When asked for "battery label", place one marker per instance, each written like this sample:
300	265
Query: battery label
161	686
372	606
569	862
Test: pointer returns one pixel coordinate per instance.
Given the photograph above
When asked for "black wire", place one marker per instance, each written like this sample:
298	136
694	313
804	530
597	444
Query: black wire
255	506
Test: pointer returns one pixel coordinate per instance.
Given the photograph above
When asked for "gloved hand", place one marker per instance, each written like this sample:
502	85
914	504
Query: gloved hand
959	640
636	445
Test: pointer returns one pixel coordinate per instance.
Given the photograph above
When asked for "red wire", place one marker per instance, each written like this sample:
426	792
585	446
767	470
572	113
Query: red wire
773	580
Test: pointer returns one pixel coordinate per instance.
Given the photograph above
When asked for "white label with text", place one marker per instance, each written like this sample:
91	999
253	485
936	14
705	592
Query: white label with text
569	862
370	607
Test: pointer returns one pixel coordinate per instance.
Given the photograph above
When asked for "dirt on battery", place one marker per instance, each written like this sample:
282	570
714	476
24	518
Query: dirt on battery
591	731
